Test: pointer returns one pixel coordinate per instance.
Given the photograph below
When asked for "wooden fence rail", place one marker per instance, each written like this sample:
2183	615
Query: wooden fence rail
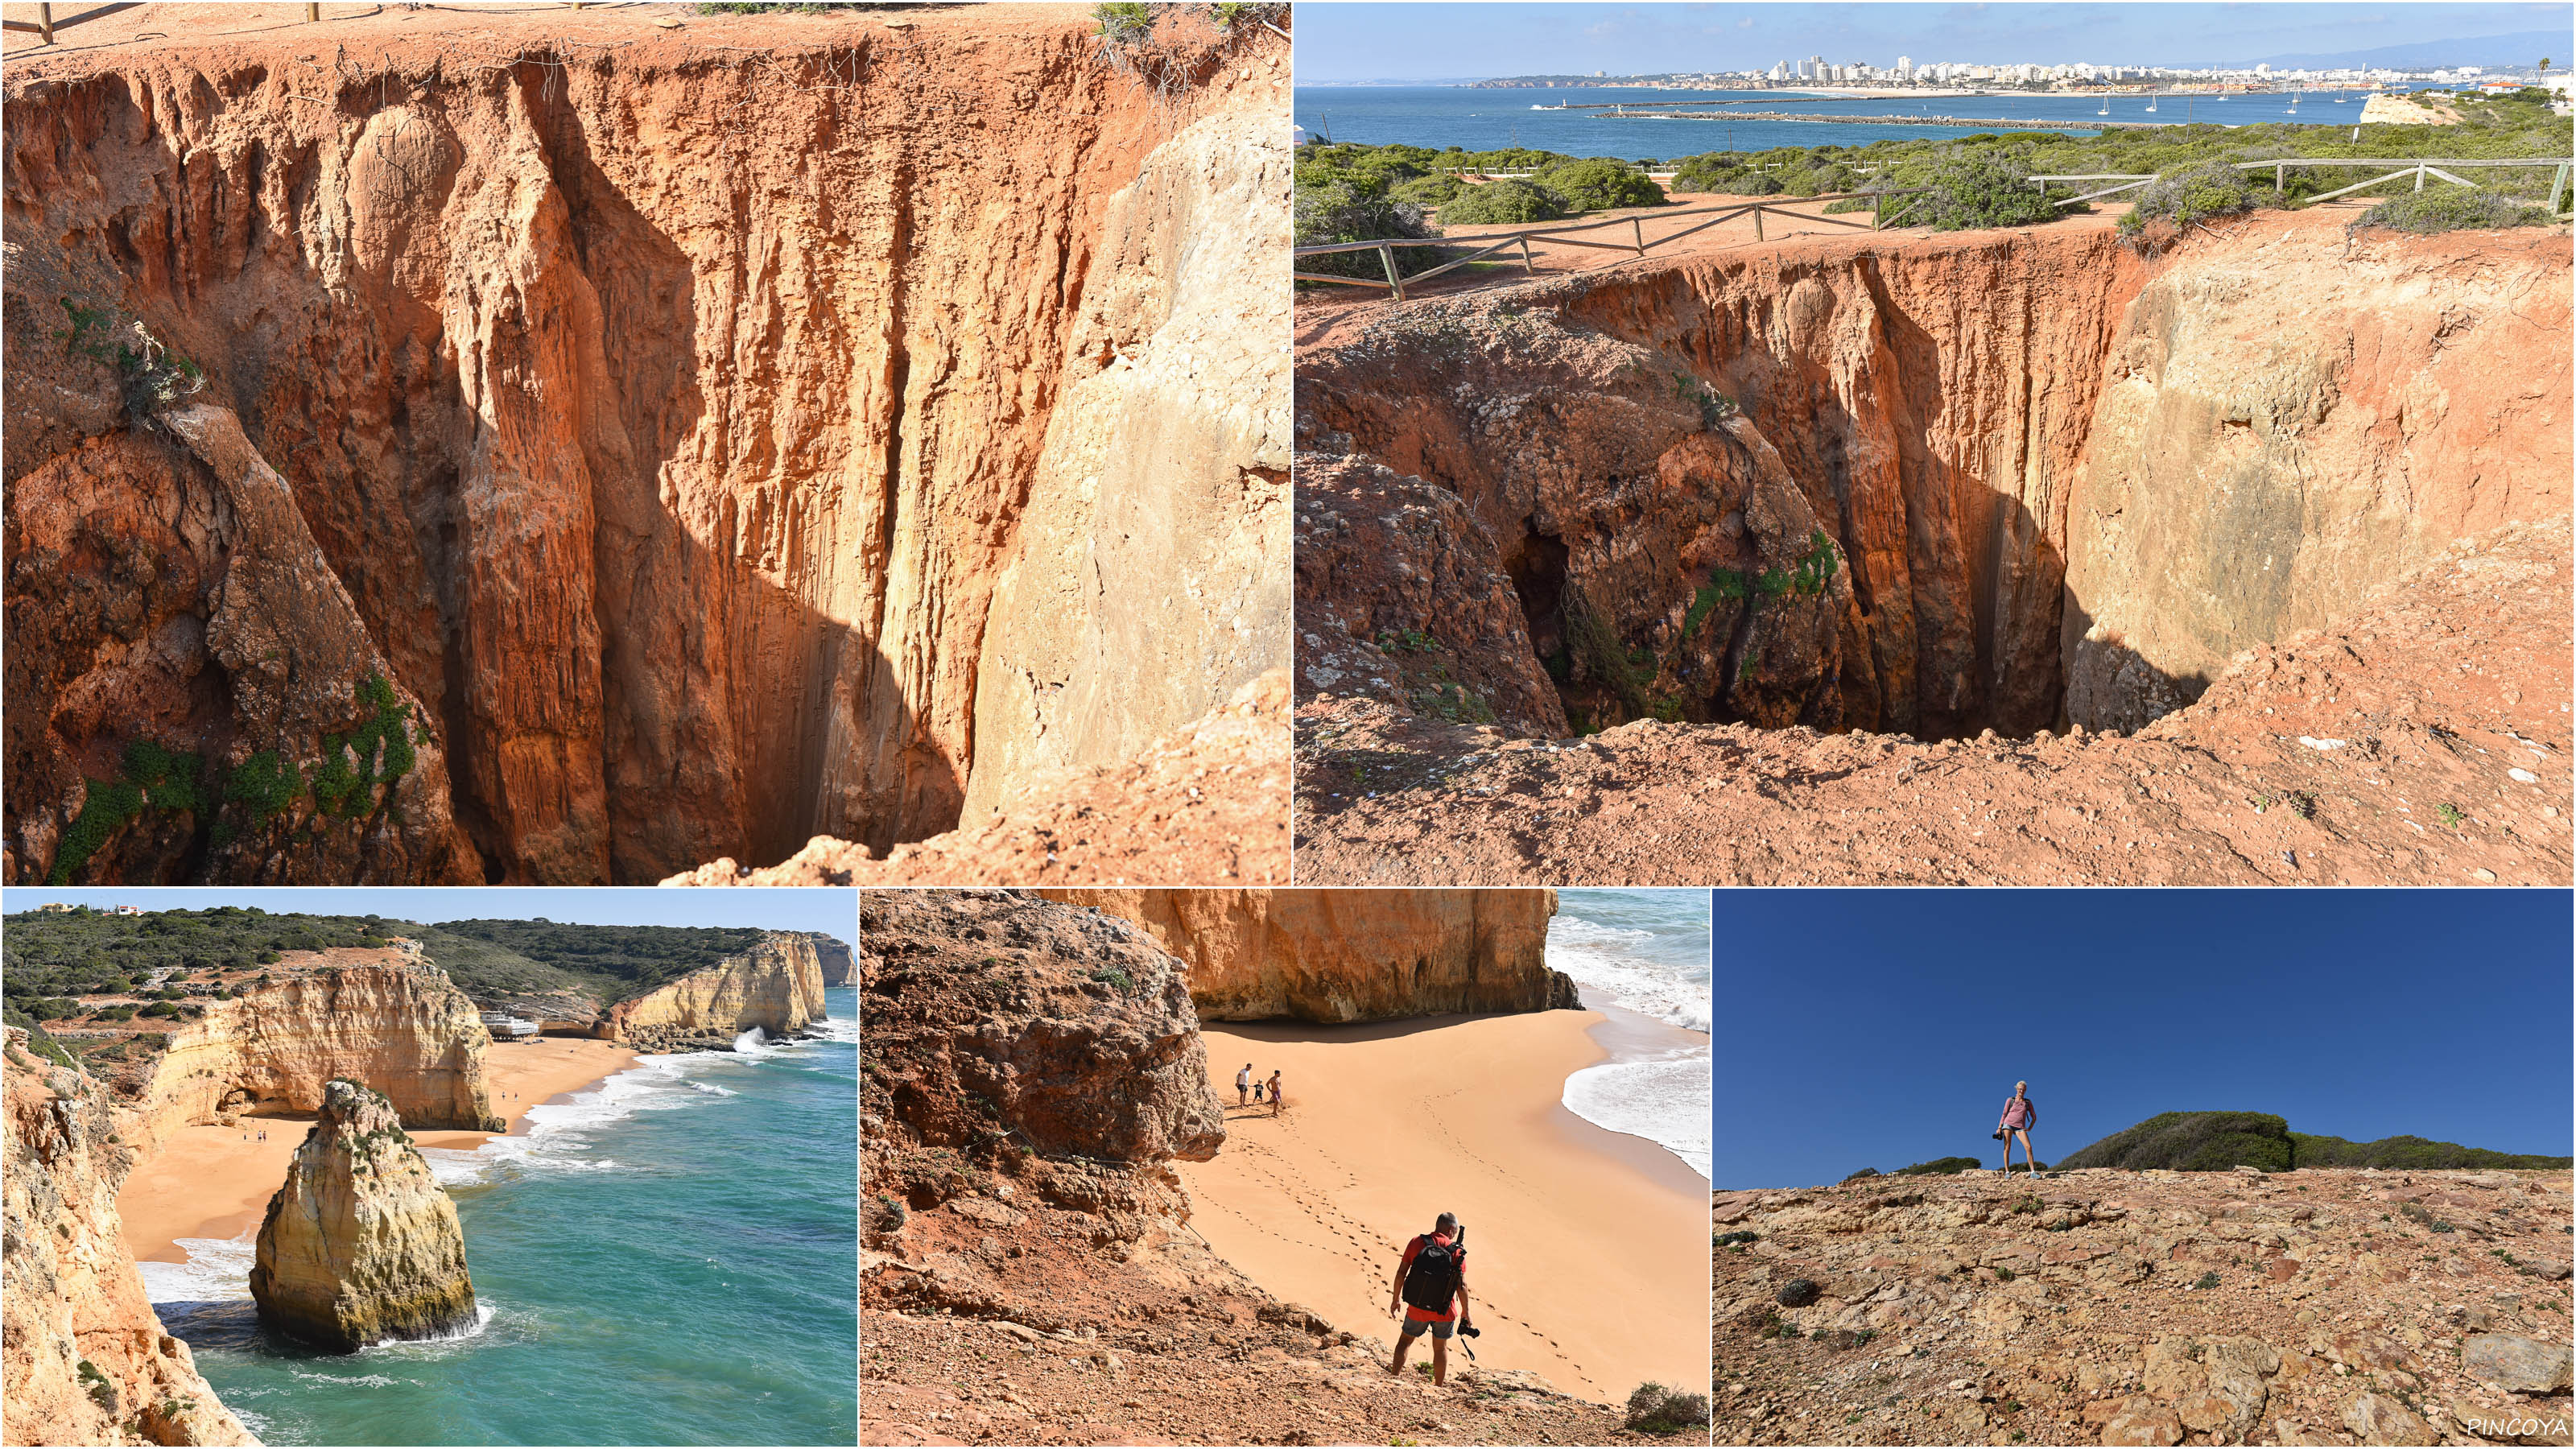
2440	168
1638	243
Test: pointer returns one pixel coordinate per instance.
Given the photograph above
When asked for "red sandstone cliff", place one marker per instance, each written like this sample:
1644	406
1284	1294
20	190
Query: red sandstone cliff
666	409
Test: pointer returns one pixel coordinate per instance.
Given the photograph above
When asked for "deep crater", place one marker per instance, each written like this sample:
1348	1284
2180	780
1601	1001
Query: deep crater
1928	486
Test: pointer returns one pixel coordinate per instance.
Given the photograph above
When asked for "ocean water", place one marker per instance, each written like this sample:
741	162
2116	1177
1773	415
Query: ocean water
1482	120
1645	951
671	1258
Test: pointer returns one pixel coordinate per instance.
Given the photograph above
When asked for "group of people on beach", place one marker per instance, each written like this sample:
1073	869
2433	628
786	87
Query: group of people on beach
1251	1091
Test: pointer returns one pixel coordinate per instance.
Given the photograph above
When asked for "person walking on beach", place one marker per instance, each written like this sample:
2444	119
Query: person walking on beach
2020	1115
1243	1085
1431	1294
1275	1093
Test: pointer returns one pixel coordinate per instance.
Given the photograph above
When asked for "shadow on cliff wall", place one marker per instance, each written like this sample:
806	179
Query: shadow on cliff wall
728	705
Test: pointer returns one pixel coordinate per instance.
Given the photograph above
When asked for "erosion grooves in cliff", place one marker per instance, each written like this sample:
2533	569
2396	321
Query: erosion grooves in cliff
1916	489
713	438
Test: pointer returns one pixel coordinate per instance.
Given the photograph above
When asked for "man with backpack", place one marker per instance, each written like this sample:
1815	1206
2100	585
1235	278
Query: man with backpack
1431	1293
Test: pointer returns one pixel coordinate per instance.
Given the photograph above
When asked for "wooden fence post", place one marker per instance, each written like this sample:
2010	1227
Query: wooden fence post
1640	227
2419	175
2557	188
1878	212
2280	180
1386	256
1527	269
1757	221
45	22
312	13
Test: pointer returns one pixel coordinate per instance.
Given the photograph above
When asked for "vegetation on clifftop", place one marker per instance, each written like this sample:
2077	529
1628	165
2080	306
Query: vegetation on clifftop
2218	1141
498	958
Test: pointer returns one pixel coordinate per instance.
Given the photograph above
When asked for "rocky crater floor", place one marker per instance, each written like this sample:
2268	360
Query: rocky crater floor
2006	556
2320	1306
1028	1274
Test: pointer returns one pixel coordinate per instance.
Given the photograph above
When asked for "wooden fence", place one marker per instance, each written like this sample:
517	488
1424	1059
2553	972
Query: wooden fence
2417	168
1638	244
1881	218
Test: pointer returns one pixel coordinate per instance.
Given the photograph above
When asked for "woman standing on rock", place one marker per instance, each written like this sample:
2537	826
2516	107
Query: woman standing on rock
2020	1115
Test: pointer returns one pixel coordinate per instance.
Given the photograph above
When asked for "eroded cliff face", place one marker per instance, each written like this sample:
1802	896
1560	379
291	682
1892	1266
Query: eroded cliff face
361	1245
403	1029
2244	483
833	957
1356	955
667	415
86	1359
777	988
1839	483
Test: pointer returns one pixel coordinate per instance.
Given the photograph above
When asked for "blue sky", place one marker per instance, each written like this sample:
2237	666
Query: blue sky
835	912
1339	40
1880	1028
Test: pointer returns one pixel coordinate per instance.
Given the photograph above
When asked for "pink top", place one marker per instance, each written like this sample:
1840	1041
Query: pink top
2019	1112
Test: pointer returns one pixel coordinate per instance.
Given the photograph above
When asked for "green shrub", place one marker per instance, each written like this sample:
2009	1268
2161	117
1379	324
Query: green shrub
1654	1409
1940	1167
266	783
2193	194
2207	1280
2194	1142
1124	22
2409	1154
1980	189
168	778
104	811
2452	208
1349	211
1510	201
1599	184
1437	190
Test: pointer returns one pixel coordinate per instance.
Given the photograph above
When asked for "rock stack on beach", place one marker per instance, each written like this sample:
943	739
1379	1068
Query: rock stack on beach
361	1245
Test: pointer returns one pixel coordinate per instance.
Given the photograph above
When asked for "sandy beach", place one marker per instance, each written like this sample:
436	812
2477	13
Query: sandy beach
209	1182
1587	1249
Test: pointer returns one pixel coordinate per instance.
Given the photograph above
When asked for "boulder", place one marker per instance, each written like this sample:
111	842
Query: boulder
2143	1421
2378	1419
2523	1365
361	1245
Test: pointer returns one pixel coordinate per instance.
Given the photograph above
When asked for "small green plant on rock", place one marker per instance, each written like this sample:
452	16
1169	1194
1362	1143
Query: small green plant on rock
2448	814
2206	1280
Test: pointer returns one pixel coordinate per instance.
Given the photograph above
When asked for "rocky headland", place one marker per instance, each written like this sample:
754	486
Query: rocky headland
85	1357
1030	1071
2071	541
776	988
361	1245
2314	1306
421	471
1339	956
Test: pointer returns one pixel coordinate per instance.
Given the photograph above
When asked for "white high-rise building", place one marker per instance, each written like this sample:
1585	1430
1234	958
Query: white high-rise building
1904	63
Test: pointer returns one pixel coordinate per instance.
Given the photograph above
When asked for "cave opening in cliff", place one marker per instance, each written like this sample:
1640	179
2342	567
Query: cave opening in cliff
506	460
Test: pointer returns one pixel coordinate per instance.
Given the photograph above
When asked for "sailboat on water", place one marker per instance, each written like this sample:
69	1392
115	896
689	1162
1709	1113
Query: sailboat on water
2151	103
2106	107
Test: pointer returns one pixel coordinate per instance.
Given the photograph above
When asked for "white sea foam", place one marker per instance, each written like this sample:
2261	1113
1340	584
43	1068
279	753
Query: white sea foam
834	1028
1662	1099
1612	961
482	1320
217	1269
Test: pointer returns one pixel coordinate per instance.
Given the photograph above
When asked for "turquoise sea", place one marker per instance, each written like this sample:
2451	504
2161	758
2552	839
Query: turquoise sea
669	1259
1491	120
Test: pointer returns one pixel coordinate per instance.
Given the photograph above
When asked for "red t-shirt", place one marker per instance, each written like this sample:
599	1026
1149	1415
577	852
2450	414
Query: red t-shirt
1425	1315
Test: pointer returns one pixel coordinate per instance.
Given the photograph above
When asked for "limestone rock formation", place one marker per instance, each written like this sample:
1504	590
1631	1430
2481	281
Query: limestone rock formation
674	535
86	1360
834	958
2113	1307
1070	1029
361	1245
1364	955
776	987
383	1018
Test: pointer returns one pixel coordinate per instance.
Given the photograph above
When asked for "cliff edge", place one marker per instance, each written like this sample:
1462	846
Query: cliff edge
1339	956
86	1359
776	988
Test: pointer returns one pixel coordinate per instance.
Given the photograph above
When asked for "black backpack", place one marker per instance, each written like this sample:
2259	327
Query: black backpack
1433	1279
